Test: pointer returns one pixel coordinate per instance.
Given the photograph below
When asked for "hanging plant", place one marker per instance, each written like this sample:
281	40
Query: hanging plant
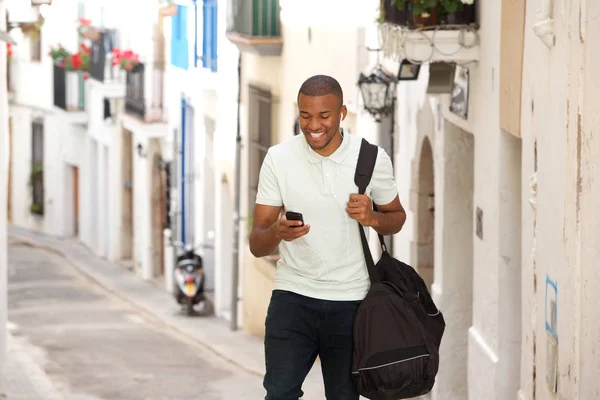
80	60
32	29
87	31
36	170
434	12
126	60
36	209
58	52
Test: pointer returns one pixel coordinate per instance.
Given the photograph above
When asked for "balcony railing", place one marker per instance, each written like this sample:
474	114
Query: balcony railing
254	26
144	92
431	35
69	89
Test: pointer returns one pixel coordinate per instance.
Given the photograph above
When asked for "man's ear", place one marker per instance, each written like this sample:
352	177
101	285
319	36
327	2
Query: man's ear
343	113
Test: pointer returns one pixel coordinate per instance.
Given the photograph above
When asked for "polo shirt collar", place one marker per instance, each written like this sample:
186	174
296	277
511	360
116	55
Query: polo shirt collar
338	156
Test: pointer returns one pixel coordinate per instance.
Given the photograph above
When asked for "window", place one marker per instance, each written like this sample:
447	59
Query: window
259	132
209	34
179	41
37	167
35	47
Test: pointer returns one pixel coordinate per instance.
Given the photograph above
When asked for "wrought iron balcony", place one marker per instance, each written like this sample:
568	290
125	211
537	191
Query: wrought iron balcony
434	35
254	26
144	92
69	89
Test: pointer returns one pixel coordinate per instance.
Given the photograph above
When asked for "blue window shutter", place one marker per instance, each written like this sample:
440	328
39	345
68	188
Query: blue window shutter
179	40
209	37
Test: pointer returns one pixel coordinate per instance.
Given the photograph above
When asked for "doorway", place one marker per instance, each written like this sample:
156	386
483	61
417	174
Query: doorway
157	207
453	287
127	196
209	203
426	214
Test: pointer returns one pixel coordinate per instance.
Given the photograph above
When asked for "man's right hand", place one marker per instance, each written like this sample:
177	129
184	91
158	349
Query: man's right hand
290	230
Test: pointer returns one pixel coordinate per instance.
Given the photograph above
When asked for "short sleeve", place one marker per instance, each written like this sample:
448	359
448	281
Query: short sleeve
383	186
268	189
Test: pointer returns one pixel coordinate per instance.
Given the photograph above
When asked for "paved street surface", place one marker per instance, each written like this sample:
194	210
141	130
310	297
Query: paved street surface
93	345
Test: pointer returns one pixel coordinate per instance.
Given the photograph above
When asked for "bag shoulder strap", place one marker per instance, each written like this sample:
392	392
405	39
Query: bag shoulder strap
367	157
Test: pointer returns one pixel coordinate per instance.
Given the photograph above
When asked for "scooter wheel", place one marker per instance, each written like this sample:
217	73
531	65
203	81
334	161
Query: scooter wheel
190	308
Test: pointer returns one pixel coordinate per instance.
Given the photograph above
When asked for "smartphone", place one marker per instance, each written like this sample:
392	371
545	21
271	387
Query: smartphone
294	216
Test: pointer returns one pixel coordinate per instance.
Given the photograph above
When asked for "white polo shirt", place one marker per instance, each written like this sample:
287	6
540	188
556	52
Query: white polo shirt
328	262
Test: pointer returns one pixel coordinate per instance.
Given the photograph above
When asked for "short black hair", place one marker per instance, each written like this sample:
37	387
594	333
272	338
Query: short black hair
321	85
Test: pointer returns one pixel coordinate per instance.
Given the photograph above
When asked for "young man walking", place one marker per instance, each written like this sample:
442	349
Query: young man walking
322	276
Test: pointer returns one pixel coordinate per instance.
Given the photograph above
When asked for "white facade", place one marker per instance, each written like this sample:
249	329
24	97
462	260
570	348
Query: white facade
63	132
202	108
4	160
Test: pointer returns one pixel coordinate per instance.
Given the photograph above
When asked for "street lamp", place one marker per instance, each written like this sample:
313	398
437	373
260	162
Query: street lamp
379	97
379	92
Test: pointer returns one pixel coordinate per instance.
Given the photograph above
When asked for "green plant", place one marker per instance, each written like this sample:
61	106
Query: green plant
58	52
35	208
419	7
452	6
444	7
36	170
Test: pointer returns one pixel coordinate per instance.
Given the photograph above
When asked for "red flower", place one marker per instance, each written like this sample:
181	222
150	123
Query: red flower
76	61
84	22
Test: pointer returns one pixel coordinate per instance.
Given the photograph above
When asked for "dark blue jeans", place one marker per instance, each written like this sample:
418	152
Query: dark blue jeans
298	328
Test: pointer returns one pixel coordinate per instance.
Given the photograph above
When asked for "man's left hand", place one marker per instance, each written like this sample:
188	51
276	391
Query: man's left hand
360	208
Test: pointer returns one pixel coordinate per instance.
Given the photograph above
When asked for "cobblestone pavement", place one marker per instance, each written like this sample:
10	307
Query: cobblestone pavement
92	345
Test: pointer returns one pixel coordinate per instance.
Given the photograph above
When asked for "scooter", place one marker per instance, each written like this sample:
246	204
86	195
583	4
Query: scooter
188	277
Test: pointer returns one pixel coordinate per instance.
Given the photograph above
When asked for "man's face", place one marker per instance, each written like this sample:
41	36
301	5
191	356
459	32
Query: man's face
320	118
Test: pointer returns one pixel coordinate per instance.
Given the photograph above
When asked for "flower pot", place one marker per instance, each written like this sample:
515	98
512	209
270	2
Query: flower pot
90	33
431	20
462	17
72	90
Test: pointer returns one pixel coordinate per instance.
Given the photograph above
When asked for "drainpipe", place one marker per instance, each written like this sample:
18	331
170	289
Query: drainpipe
236	212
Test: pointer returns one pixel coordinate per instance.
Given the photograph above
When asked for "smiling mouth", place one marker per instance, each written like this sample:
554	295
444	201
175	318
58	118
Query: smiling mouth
316	135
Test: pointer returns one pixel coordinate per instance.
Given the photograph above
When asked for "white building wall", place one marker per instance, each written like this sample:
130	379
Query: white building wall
560	230
4	160
63	142
224	157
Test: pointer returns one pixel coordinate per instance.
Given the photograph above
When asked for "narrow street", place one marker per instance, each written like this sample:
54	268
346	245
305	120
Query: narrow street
95	346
